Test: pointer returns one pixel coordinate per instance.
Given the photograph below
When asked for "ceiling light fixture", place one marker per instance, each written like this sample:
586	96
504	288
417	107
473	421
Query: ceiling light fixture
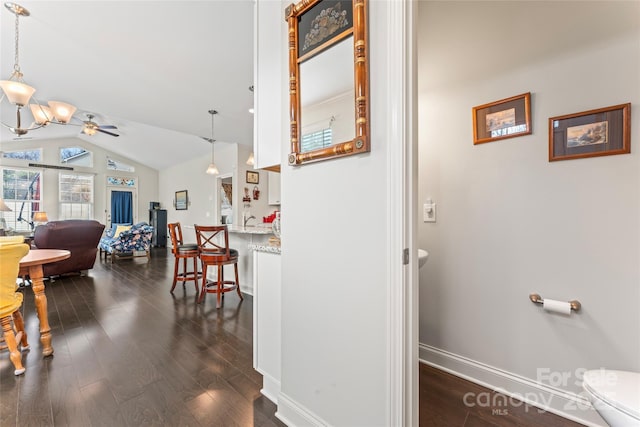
18	93
212	169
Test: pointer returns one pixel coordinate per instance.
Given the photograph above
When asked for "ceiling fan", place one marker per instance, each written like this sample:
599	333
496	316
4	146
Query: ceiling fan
90	127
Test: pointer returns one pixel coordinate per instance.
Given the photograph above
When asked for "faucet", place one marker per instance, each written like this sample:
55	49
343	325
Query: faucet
246	220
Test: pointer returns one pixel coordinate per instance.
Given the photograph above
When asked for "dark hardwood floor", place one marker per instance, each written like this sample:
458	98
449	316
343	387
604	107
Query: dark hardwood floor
129	353
450	401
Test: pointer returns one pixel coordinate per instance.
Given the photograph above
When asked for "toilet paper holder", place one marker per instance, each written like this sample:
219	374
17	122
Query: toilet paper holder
536	298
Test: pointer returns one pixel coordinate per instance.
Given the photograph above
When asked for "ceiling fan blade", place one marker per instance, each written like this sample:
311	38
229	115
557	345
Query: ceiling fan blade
107	127
107	132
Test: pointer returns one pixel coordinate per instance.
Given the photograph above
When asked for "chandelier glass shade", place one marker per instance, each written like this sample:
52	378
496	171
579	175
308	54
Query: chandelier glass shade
20	94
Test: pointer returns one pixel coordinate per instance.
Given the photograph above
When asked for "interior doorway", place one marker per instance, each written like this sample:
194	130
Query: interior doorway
121	206
224	207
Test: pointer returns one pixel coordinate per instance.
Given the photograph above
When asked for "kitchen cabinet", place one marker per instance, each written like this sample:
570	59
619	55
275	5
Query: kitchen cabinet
267	296
274	188
270	88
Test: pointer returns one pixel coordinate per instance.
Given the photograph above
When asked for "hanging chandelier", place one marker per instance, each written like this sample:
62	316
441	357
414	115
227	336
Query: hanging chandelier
18	93
212	169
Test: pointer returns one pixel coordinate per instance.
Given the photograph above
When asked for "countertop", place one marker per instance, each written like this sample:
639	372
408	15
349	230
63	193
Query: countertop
265	248
251	229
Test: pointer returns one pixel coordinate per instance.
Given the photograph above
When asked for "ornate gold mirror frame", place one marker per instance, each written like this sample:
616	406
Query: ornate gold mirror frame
295	13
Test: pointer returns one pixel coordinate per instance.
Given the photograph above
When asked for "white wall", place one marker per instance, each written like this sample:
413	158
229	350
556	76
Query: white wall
147	177
509	222
335	270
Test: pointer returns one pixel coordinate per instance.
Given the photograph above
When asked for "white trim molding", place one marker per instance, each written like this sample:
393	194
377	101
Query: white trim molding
402	294
293	414
551	399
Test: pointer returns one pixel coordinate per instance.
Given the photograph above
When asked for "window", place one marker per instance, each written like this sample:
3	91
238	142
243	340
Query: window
76	196
315	140
21	191
34	155
77	156
117	165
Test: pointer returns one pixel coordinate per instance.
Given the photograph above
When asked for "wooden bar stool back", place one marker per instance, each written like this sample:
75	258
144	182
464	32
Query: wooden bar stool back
183	251
12	250
213	244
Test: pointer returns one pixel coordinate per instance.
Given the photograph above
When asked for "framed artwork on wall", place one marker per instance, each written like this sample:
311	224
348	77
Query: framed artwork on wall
181	202
600	132
253	177
502	119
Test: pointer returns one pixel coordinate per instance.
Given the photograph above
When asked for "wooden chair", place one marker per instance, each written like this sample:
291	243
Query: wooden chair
183	251
213	244
12	249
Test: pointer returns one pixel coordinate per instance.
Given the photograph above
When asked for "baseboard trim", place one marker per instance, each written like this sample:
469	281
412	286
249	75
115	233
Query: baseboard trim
562	403
293	414
270	387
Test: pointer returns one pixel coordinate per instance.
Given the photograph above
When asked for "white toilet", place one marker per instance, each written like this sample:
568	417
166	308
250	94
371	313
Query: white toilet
615	395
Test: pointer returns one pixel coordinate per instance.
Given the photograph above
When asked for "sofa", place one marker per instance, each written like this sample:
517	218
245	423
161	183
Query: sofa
127	241
78	236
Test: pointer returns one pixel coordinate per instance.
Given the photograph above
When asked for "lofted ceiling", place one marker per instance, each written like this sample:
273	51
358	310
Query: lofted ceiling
151	68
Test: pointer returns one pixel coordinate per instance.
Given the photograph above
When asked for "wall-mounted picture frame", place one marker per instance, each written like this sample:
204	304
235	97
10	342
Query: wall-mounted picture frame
253	177
181	202
502	119
601	132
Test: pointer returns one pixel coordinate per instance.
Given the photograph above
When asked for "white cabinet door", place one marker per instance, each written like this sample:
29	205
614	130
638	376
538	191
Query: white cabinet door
269	90
266	321
274	188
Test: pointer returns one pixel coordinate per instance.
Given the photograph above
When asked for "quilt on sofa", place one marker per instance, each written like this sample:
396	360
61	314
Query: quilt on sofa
127	241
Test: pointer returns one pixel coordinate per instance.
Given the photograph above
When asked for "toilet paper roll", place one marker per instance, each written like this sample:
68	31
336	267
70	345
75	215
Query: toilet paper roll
556	306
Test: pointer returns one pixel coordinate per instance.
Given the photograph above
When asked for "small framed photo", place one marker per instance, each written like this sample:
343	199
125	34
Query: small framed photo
182	200
601	132
253	177
502	119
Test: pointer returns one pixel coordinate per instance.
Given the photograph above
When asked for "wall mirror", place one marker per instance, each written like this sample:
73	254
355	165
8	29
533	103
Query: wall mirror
328	79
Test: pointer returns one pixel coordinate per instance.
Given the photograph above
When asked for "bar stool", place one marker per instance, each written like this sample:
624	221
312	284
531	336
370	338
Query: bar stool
183	251
217	254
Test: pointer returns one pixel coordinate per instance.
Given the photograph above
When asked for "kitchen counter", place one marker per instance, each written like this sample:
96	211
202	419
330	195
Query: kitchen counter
251	229
265	248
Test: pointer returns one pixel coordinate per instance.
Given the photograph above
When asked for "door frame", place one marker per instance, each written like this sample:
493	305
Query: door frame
107	205
402	280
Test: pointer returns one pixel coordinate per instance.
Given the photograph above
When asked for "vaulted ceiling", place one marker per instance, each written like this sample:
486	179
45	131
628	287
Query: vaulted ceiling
151	68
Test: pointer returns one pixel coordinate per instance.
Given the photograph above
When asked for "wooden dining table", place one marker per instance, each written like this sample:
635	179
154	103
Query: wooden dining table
31	265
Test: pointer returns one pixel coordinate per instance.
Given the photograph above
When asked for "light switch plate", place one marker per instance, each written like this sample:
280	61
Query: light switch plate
429	212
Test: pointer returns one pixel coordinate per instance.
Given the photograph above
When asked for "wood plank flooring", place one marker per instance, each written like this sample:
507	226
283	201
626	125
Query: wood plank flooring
442	404
128	353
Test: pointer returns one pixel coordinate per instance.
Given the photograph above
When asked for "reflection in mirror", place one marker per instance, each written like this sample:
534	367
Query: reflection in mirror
327	98
328	79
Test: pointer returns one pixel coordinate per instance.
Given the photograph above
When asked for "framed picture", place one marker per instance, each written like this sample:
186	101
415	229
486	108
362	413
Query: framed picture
253	177
324	23
502	119
182	200
600	132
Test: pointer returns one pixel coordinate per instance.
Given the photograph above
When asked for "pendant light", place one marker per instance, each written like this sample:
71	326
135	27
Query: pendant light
212	169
